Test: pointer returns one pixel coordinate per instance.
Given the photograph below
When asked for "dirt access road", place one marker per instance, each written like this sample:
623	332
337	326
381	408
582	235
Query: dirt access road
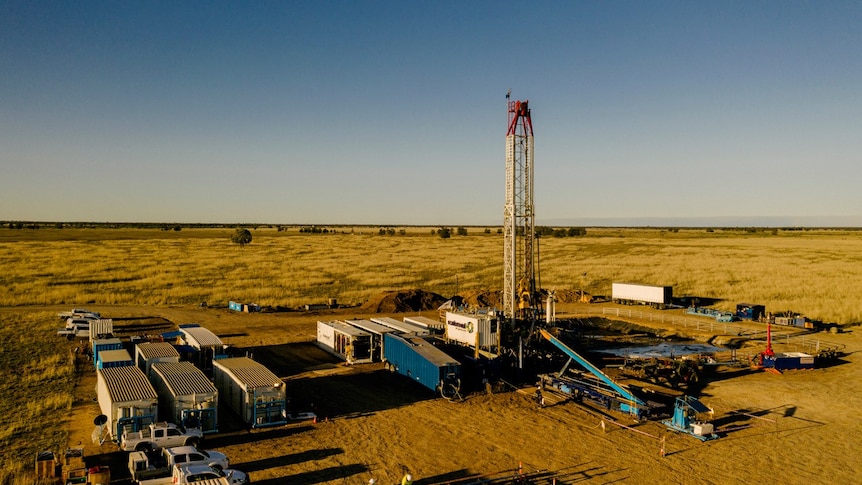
799	427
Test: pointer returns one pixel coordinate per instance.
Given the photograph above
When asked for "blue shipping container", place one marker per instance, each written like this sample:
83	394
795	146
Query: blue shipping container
420	360
100	345
114	358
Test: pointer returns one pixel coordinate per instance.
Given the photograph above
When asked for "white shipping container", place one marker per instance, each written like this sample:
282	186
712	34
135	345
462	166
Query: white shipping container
426	322
251	390
127	398
402	326
345	341
186	395
377	331
101	328
472	329
149	353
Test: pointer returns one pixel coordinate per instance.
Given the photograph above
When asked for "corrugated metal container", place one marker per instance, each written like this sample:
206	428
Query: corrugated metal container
256	394
421	361
127	398
148	353
376	331
186	395
474	330
401	326
101	328
99	345
435	325
114	358
345	341
207	344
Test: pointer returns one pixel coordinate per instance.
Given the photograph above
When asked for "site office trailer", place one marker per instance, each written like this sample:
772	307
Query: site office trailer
377	331
656	296
99	345
256	394
436	326
344	341
127	398
418	359
114	358
479	330
186	395
149	353
207	346
401	326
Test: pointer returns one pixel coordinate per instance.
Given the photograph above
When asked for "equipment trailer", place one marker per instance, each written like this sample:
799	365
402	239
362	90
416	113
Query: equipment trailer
596	385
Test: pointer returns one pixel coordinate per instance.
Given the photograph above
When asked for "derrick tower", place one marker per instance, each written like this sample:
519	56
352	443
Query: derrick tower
520	301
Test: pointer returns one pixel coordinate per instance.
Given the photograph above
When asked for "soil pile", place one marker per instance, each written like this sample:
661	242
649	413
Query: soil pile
403	301
482	298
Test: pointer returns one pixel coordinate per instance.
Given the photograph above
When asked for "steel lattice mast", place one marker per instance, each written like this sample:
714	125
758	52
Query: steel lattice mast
519	282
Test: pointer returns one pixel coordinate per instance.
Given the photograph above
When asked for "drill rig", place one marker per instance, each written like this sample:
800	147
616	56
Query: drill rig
522	305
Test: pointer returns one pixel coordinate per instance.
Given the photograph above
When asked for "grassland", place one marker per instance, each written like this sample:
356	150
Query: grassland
36	392
817	273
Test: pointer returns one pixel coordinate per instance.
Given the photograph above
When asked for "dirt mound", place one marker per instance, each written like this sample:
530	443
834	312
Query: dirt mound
567	295
403	301
482	298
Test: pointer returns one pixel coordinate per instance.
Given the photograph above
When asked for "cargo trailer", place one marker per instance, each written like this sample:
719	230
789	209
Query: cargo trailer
376	331
435	326
344	341
126	398
402	326
149	353
251	390
114	358
637	294
418	359
186	395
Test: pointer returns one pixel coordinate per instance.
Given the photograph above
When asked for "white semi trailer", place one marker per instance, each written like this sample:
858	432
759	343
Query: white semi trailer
636	294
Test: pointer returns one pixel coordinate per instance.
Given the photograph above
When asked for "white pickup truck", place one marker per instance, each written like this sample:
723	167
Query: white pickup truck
160	435
76	327
207	475
156	468
79	313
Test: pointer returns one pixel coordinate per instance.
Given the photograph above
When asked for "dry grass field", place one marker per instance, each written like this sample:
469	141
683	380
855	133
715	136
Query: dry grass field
804	428
815	273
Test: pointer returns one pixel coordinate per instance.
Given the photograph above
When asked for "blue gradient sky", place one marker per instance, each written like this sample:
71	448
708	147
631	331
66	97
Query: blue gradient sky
392	112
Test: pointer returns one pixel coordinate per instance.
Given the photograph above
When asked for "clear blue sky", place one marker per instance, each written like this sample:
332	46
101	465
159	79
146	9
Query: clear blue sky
393	112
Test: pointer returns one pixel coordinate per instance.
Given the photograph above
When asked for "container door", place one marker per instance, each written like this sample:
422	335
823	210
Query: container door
203	419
